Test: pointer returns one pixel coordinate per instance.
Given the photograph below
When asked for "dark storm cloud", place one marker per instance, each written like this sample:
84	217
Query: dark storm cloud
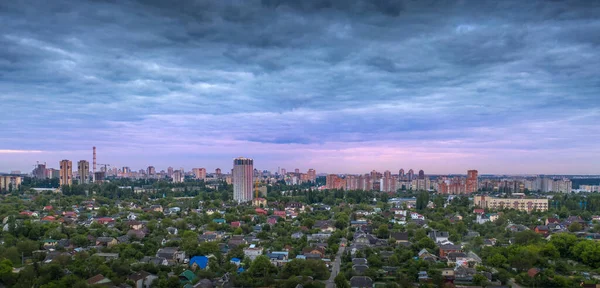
462	75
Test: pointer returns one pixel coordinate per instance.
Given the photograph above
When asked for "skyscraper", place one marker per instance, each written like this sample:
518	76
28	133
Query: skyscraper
178	176
421	174
410	175
66	172
200	173
401	174
243	169
151	171
312	175
170	171
83	171
472	181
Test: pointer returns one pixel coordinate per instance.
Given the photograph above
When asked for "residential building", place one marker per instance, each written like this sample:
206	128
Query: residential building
66	172
312	175
242	179
521	204
8	182
83	171
151	171
178	176
199	173
472	181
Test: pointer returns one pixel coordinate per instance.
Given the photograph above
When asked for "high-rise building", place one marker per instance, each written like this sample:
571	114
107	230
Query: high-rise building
199	173
283	171
40	171
125	172
312	175
83	171
472	181
10	182
170	171
66	172
218	172
410	175
401	174
177	176
243	170
151	171
421	174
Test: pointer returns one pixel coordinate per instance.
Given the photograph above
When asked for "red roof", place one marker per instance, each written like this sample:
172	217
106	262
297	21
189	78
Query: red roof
236	224
260	211
48	207
479	211
279	213
28	213
49	218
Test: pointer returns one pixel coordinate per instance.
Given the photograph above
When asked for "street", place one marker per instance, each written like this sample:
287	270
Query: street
335	269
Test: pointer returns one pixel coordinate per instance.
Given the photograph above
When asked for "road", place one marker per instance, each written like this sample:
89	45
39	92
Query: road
335	269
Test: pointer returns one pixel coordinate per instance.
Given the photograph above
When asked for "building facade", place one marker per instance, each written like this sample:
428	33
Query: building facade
199	173
8	182
243	171
178	176
83	171
312	175
472	181
521	204
66	172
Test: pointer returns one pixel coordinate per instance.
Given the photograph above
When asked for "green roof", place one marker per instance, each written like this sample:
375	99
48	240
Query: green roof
189	275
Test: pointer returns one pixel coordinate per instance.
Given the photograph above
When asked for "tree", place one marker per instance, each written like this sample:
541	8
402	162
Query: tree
575	226
422	200
383	231
340	281
261	267
480	280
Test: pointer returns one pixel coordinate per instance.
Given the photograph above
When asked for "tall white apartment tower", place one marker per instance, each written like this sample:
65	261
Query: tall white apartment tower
243	172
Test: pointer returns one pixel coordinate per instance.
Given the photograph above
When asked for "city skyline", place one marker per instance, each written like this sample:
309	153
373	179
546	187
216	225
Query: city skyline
504	88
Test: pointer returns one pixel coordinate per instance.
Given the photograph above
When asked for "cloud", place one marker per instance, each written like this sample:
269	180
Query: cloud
343	86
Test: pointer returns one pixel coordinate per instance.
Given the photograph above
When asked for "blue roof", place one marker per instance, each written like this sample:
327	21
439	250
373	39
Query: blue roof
219	220
240	270
201	261
236	260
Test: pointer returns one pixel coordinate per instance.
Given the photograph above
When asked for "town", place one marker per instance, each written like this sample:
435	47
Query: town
251	228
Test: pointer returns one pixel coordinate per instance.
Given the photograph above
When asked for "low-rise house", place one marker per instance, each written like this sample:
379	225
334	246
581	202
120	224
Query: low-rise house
399	237
427	256
259	202
446	249
156	208
142	279
105	220
439	236
361	282
50	243
236	240
416	216
360	269
278	258
252	252
172	254
260	211
172	230
99	280
136	234
297	235
107	256
359	261
219	221
106	241
272	220
187	276
134	225
198	262
464	274
158	261
541	229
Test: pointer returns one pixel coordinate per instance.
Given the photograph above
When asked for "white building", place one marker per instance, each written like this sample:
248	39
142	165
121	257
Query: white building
243	171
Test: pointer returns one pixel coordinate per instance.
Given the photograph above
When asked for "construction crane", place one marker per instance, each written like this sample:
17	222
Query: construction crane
105	169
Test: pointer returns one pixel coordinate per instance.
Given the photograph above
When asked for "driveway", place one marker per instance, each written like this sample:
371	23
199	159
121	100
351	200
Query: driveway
335	269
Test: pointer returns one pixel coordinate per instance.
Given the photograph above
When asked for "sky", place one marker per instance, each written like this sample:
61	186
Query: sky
335	85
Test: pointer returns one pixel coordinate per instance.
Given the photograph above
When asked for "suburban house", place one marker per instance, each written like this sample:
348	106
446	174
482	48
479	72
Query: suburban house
439	236
172	254
252	252
448	248
399	237
361	282
106	241
142	279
